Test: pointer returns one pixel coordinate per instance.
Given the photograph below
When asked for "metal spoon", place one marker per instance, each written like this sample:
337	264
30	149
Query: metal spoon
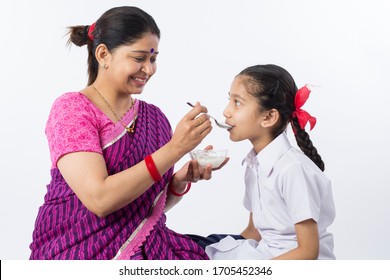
221	125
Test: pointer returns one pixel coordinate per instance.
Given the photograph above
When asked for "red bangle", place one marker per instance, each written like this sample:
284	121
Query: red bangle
152	168
179	194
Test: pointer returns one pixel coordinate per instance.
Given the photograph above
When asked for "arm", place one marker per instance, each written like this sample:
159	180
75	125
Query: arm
250	232
308	242
179	186
87	175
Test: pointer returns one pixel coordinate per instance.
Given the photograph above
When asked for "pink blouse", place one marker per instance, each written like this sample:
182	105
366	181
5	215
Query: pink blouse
75	124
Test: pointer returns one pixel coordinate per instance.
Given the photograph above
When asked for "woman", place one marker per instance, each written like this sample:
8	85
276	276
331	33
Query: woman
113	156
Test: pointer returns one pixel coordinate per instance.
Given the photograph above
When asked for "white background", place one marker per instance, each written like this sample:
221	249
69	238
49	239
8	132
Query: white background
341	46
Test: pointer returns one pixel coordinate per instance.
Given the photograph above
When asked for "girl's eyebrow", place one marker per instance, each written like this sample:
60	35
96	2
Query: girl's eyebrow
236	96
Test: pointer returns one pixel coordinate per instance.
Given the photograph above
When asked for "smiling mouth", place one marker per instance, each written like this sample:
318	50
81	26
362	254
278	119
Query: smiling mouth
140	80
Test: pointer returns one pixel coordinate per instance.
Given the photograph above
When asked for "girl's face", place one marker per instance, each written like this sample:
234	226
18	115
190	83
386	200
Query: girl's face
243	113
131	66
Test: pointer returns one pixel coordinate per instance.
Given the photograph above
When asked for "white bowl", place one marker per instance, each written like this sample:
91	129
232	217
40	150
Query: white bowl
213	157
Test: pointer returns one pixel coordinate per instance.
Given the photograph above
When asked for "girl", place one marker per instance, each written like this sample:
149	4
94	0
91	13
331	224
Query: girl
287	194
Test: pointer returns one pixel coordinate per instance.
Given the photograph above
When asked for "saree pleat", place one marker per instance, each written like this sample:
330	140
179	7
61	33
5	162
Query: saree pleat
65	229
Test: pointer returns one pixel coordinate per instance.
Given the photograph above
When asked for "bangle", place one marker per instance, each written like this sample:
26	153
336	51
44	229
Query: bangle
188	187
152	168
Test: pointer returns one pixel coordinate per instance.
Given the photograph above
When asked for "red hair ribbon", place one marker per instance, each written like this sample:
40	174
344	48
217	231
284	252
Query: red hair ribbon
90	30
303	117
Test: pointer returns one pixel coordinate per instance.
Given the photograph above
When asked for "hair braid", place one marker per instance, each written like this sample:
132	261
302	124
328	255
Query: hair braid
306	145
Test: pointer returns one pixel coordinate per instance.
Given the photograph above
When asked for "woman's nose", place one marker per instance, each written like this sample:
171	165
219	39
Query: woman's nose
148	68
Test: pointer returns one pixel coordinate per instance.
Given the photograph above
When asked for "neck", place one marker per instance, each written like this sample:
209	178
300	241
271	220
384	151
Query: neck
116	105
120	103
261	143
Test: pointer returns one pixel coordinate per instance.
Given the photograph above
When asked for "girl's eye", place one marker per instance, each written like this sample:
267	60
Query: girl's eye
236	103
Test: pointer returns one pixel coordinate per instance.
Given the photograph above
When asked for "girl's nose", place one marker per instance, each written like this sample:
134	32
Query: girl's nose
226	112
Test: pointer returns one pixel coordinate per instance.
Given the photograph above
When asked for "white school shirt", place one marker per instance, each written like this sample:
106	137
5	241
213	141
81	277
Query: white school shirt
283	187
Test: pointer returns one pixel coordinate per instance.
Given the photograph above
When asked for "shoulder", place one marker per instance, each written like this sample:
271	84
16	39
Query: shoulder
72	104
153	109
71	101
72	126
296	165
150	106
72	109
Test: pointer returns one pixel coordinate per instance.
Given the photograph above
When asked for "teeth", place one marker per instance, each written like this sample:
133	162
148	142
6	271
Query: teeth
140	80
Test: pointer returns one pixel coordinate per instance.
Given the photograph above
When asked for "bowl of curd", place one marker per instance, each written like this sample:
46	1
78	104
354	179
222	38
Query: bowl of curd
213	157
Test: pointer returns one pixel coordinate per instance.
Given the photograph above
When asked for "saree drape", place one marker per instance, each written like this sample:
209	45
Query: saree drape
65	229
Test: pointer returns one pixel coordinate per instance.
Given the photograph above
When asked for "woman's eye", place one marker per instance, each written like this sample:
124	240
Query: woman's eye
237	103
139	59
143	59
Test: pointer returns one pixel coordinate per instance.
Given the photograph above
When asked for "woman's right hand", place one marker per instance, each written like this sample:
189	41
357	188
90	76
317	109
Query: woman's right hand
191	129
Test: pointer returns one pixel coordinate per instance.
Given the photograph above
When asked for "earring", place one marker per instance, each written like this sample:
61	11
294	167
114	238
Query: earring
104	66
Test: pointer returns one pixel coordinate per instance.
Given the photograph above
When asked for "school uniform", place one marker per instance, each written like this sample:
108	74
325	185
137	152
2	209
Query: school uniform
282	187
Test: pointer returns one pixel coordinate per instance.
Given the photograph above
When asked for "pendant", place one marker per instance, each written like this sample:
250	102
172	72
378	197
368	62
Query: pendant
130	129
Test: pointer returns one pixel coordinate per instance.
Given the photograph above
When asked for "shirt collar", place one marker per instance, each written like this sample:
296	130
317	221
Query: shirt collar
266	159
250	160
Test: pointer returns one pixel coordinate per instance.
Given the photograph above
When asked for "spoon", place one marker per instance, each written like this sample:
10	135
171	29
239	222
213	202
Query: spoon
221	125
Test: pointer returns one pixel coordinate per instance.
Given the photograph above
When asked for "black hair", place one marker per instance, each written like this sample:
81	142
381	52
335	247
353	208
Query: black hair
275	88
116	27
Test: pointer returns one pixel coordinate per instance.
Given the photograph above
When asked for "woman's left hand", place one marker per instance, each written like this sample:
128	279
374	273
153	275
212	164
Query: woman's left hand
192	172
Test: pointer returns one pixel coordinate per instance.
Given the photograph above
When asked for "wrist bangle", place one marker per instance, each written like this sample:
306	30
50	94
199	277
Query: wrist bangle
152	168
188	187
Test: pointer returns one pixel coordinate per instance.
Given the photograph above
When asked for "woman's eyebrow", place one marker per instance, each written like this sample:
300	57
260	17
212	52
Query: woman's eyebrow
144	52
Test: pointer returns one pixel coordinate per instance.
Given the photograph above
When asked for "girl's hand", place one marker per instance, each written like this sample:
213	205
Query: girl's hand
192	172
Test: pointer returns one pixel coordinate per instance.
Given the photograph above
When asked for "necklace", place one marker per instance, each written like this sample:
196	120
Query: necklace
128	129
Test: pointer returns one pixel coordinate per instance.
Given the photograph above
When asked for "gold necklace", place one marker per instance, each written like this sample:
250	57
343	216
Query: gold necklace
128	129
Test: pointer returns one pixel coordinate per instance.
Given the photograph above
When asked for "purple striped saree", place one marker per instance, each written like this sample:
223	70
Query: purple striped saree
65	229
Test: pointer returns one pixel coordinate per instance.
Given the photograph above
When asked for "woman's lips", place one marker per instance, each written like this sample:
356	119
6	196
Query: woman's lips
140	81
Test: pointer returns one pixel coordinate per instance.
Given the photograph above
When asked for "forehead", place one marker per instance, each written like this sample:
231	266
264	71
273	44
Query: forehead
148	39
147	43
238	87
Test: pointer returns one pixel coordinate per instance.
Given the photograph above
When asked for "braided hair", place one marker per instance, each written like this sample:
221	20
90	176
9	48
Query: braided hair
275	88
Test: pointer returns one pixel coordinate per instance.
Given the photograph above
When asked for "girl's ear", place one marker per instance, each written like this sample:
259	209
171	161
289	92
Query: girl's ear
101	54
269	118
